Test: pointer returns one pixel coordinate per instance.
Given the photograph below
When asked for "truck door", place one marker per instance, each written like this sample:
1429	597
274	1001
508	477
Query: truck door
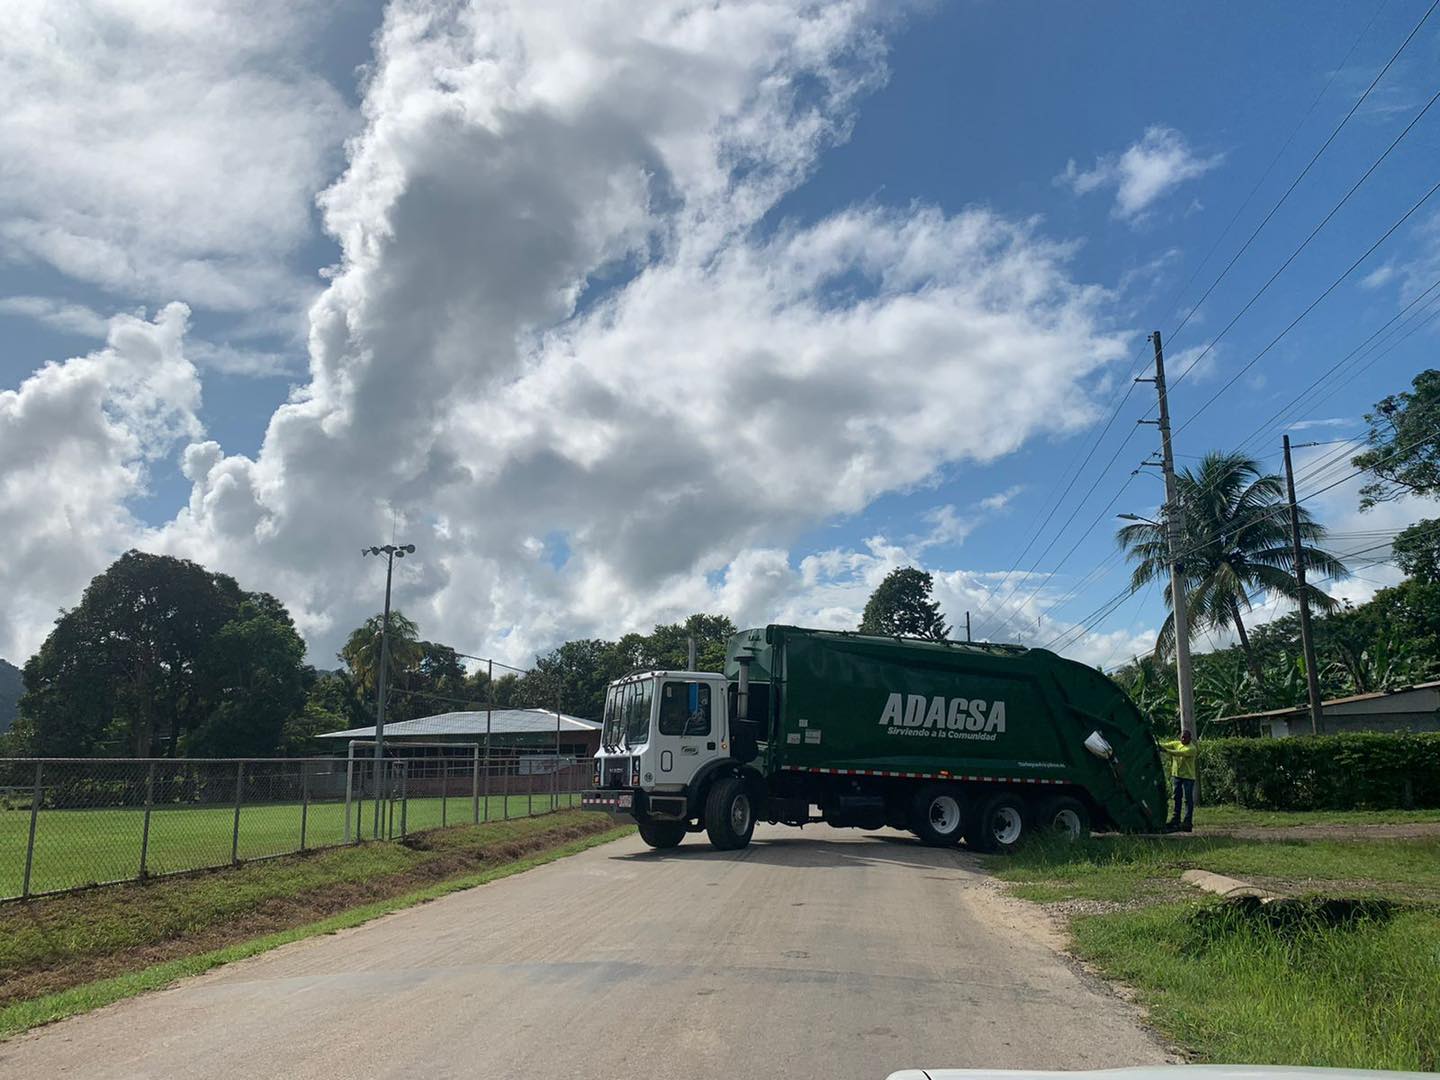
688	730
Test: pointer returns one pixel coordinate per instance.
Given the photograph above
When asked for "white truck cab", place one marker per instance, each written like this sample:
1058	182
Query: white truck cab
660	728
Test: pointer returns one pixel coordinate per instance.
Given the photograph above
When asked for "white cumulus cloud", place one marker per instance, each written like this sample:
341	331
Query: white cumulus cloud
78	440
1142	174
566	353
164	149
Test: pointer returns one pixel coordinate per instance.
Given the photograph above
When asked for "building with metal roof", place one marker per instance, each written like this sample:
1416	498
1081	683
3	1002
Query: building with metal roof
517	731
1405	708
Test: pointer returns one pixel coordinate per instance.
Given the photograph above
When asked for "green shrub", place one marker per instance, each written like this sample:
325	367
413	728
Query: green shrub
1330	772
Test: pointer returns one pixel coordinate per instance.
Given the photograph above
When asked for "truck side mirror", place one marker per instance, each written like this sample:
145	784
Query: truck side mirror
1097	745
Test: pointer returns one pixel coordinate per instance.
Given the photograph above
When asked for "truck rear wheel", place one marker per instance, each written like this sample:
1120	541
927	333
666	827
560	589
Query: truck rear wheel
1000	825
729	814
1065	817
935	816
661	834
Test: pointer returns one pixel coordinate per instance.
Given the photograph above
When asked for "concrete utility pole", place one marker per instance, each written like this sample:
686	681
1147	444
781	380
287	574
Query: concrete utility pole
690	653
1307	642
1172	530
391	553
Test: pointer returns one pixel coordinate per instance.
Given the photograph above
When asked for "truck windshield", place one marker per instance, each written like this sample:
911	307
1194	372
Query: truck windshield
613	727
637	711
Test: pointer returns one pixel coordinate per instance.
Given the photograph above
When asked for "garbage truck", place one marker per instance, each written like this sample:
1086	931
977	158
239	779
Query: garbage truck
952	741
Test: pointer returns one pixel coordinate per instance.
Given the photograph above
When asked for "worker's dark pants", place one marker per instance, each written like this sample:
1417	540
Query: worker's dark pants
1185	789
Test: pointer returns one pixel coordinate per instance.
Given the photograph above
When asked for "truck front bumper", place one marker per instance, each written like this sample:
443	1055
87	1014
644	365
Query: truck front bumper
611	801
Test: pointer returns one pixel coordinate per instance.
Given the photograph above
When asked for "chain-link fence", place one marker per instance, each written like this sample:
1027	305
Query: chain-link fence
68	823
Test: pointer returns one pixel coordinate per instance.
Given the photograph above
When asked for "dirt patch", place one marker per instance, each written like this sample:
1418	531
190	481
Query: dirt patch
274	914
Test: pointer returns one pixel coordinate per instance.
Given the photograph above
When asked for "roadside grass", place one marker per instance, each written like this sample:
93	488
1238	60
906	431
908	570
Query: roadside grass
74	848
66	954
1366	996
1233	988
1229	816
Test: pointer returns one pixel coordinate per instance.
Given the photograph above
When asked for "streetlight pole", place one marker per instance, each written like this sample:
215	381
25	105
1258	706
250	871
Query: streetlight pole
391	553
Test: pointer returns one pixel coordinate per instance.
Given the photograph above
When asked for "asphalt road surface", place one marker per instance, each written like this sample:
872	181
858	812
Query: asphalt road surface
821	953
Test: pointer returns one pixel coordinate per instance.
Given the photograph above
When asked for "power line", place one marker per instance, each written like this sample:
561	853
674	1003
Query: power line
985	601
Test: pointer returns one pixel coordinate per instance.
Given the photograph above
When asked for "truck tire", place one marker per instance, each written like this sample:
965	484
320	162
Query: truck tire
1064	817
729	814
936	816
661	834
1000	825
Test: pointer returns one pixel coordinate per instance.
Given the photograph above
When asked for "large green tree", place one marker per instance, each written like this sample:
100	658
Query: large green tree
253	676
1403	443
901	606
157	650
1235	542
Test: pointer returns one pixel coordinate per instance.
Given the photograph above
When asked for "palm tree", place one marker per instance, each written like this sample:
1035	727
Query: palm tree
1235	545
361	651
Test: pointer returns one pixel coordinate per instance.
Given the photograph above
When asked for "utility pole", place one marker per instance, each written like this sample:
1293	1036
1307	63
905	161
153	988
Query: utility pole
391	553
1307	641
690	653
1172	530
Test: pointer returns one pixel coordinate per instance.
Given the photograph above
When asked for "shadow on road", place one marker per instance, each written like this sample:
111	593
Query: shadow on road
810	852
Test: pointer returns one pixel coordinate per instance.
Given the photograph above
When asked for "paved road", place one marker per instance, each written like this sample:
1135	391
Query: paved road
816	954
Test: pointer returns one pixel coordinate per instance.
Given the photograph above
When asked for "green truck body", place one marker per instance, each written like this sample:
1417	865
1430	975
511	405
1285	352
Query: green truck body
852	704
946	739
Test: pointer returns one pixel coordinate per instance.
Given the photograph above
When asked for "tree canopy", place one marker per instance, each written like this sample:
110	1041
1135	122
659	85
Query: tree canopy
1403	443
162	657
901	606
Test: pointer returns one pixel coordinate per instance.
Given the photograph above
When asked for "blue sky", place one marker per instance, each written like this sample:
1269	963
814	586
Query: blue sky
955	121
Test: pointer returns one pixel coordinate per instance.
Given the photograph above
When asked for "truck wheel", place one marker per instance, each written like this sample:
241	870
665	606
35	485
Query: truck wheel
935	816
729	814
1065	817
661	834
1000	825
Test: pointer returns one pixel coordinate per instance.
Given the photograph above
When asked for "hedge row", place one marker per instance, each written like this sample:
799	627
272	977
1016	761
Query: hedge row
1328	772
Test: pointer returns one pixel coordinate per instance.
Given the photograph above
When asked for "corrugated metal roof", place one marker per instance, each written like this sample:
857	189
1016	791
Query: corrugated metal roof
1300	710
503	722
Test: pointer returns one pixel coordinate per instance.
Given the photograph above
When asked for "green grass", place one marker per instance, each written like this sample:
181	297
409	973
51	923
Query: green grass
74	848
1360	997
1363	996
205	901
1124	868
1229	816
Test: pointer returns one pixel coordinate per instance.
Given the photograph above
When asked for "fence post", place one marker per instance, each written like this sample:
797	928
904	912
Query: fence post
390	801
304	800
404	799
529	790
145	829
349	786
505	799
444	787
235	831
475	786
30	844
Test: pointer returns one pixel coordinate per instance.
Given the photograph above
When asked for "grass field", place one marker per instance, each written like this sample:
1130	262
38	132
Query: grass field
1230	986
74	848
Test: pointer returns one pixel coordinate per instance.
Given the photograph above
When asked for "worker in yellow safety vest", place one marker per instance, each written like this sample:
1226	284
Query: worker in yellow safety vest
1181	754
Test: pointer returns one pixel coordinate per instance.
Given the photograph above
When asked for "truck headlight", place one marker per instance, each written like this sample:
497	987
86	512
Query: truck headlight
599	773
634	772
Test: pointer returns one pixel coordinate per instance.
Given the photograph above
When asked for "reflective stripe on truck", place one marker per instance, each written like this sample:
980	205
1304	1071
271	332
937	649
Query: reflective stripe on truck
923	775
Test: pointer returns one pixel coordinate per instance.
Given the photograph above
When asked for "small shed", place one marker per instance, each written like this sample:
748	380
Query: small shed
1405	708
